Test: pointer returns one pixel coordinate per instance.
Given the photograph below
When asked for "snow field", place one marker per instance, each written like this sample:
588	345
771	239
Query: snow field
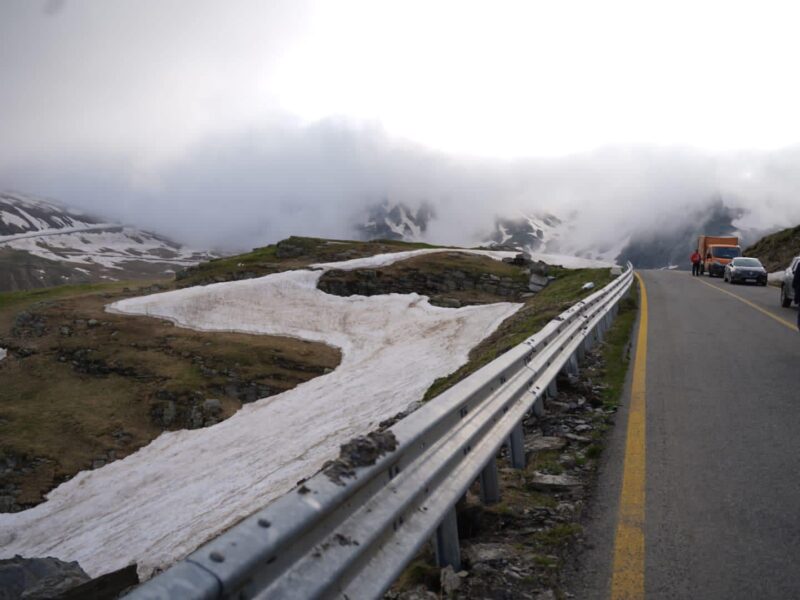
160	503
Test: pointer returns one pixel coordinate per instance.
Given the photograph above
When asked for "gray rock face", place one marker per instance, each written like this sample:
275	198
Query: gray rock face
212	407
38	578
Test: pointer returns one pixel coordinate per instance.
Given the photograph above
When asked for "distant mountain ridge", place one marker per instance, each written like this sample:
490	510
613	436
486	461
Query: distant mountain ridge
668	245
396	221
44	243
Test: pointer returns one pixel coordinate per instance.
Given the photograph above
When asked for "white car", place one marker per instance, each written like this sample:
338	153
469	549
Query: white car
787	287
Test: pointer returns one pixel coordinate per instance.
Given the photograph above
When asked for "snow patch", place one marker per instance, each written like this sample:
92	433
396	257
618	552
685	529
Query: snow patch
160	503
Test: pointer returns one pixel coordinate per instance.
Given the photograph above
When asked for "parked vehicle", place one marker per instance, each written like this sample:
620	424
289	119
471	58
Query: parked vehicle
787	287
745	270
717	252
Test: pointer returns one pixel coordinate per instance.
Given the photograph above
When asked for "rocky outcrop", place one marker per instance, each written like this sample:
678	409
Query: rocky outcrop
38	578
449	288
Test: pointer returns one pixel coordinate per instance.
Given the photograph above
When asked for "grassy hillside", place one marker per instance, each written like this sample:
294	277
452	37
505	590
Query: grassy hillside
82	387
291	253
777	250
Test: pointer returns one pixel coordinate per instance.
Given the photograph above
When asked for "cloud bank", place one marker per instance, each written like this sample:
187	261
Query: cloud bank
260	184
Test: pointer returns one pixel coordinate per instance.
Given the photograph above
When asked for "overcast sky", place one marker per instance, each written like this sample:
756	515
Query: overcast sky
288	116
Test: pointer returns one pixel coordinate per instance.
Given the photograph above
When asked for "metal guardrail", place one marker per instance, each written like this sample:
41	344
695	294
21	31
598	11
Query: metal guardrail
351	538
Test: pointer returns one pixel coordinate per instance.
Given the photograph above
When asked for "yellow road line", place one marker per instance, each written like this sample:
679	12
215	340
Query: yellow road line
780	320
627	578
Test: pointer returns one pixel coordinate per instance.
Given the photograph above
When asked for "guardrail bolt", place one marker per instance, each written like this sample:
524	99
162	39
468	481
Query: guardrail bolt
217	557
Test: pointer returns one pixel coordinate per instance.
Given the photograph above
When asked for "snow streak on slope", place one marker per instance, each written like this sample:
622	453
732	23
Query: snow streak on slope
160	503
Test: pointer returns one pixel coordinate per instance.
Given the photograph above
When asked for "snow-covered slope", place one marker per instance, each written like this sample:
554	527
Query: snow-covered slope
69	246
159	504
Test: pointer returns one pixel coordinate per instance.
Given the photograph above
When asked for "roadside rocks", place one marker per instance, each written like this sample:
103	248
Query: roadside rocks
555	483
518	547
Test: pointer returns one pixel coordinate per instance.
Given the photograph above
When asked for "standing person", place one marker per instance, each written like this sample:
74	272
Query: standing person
696	260
796	286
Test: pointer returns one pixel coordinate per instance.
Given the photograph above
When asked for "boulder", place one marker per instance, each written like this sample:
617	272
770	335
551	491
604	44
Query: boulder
537	282
39	578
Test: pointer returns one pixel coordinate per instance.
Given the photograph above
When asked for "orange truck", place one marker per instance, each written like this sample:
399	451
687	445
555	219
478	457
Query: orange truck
717	252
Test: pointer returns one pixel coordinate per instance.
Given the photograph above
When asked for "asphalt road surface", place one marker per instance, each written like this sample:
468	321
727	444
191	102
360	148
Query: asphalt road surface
721	516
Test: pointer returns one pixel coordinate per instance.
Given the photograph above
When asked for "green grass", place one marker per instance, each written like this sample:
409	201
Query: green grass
51	409
558	535
615	352
274	258
537	312
19	298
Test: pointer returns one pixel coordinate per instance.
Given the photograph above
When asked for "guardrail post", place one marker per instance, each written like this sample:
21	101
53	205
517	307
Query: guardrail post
538	406
552	389
490	485
448	552
517	446
572	365
581	352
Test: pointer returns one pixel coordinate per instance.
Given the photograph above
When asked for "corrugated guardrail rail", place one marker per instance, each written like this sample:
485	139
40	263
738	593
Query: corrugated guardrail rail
352	537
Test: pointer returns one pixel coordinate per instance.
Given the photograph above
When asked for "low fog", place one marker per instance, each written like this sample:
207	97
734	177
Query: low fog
259	185
229	127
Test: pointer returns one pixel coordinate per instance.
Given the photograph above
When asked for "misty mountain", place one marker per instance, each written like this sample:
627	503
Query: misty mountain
672	244
529	233
395	221
666	243
44	243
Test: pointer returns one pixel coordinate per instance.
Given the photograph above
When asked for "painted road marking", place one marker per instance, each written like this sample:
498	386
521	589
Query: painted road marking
627	577
771	315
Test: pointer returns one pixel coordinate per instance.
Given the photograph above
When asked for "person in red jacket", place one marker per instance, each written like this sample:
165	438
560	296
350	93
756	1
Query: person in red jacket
696	261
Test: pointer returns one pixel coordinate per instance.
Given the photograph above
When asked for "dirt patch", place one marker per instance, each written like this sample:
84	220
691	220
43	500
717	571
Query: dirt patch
83	387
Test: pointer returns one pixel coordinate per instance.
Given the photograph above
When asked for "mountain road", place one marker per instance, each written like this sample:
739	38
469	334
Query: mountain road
699	488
